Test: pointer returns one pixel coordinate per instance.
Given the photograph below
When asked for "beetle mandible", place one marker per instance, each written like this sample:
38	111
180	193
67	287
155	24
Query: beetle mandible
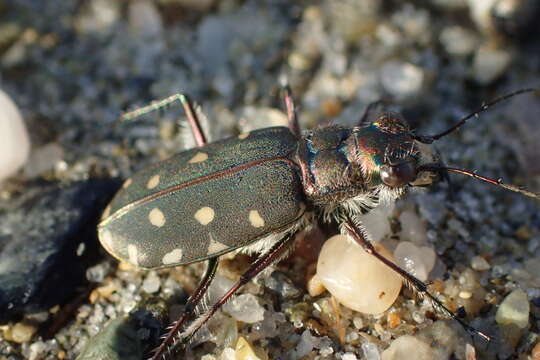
254	192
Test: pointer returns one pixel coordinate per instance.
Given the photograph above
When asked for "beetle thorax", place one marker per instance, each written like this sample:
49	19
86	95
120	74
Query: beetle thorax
355	167
329	174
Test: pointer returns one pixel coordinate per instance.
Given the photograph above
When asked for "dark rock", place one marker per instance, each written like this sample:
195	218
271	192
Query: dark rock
47	240
118	340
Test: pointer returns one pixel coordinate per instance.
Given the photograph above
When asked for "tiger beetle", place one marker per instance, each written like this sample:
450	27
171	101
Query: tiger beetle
255	191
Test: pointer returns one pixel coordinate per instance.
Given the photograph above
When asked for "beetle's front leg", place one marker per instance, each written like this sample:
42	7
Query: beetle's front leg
191	305
358	233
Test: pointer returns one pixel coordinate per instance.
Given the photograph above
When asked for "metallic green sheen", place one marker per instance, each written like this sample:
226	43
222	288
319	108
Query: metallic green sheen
239	176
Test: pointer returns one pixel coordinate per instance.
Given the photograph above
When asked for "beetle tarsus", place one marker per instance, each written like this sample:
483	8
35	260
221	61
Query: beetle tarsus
170	338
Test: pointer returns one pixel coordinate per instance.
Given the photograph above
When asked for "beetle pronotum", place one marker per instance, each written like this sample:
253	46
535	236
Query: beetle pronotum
256	191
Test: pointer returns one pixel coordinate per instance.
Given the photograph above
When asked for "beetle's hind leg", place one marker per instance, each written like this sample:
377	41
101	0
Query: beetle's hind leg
191	114
172	331
274	254
358	234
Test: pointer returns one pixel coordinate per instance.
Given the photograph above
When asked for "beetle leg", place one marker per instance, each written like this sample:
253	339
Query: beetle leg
276	252
189	310
294	126
372	111
193	120
358	234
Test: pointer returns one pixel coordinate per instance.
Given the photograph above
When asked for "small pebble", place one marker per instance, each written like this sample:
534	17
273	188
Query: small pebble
314	286
245	308
348	356
244	351
417	260
393	319
478	263
413	229
514	309
357	280
151	283
458	41
489	64
228	354
15	144
376	221
406	346
43	159
402	80
306	344
20	333
358	322
371	351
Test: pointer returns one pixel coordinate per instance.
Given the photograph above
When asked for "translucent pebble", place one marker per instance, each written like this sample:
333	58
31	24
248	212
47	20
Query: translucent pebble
407	346
151	283
413	229
371	351
244	350
376	221
36	350
458	41
15	145
20	333
314	286
42	159
489	64
402	80
357	279
228	354
358	322
306	344
478	263
417	260
326	351
245	308
514	309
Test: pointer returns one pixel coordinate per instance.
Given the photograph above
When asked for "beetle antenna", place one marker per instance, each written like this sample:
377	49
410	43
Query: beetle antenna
428	139
473	174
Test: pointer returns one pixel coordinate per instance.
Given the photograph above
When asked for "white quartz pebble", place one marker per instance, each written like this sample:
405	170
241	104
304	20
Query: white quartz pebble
514	310
15	145
417	260
355	278
407	347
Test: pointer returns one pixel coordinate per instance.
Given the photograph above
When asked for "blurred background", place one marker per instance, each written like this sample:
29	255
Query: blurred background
71	67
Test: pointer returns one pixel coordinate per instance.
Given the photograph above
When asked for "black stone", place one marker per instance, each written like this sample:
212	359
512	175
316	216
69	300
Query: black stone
40	235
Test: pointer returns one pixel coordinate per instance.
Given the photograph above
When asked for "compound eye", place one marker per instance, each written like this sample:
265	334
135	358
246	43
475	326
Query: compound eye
398	175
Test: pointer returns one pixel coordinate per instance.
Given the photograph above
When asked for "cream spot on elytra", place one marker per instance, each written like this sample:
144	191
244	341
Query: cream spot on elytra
255	219
215	246
153	182
127	183
156	217
172	257
133	254
204	215
199	157
242	136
